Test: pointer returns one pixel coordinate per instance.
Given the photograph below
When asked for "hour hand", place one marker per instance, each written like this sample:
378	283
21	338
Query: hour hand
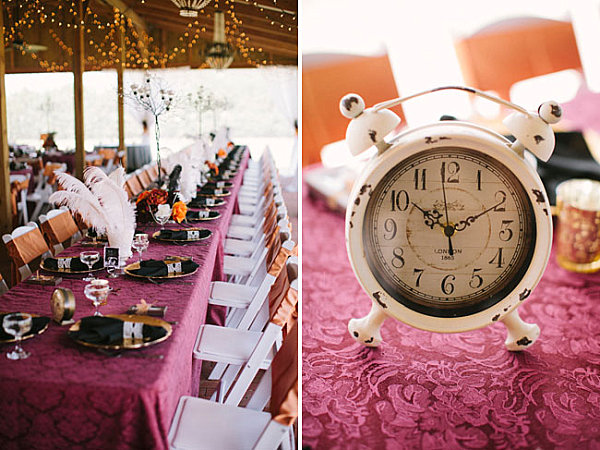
432	218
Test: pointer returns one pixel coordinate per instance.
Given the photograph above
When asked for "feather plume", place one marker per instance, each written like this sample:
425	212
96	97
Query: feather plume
112	198
79	198
118	176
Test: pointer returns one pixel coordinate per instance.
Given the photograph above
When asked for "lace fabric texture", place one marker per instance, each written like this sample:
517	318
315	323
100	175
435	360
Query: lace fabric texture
446	391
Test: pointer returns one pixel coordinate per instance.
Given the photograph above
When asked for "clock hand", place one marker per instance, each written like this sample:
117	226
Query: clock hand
432	218
448	229
463	224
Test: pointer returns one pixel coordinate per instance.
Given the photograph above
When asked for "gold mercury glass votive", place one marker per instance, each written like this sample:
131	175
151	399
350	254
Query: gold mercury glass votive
578	233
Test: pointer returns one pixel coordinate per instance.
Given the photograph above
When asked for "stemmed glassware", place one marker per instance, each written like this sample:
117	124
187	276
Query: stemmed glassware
140	243
17	324
162	215
90	258
97	293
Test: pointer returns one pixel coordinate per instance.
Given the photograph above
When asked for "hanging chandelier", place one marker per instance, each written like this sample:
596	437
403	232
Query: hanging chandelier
219	54
190	8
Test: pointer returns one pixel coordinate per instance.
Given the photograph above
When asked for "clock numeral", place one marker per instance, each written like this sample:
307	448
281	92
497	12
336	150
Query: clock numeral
448	286
452	173
497	259
418	272
390	227
476	281
400	200
505	234
501	199
422	179
479	180
398	260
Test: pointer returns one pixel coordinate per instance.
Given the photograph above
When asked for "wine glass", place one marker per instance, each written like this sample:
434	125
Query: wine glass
97	294
17	324
90	258
162	215
140	243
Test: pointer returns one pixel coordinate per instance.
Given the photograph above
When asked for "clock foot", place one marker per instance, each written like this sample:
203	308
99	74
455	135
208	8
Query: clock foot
367	330
521	335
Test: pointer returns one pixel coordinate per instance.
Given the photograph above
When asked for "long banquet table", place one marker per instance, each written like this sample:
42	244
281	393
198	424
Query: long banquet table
68	396
443	391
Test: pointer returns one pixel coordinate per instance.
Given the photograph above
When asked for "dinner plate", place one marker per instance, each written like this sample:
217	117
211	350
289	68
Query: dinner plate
212	215
136	265
195	203
30	333
42	266
128	344
225	193
204	234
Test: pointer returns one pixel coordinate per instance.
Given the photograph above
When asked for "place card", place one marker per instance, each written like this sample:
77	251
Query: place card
220	184
195	234
210	202
203	214
111	257
218	192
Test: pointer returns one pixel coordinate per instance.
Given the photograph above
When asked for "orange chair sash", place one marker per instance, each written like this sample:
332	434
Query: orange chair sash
284	380
59	228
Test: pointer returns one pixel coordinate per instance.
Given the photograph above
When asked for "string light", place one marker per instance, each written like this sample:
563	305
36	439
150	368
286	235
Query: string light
141	51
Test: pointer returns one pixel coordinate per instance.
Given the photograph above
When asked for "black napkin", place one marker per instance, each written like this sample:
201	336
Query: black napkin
194	215
212	190
201	202
76	264
181	234
108	331
37	324
157	268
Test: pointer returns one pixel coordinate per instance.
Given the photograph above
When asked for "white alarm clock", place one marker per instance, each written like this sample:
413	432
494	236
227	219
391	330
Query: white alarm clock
448	227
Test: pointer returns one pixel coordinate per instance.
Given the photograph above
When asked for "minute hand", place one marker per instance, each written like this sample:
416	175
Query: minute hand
469	220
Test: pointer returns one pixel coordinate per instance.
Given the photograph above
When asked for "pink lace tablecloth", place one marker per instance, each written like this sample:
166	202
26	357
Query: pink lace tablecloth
443	391
69	396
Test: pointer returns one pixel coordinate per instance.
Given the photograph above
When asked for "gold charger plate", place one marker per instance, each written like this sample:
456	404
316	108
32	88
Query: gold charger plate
156	235
202	219
147	320
218	202
136	265
28	335
43	267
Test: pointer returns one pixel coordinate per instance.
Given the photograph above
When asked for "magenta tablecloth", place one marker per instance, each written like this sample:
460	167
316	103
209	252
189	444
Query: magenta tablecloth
68	396
443	391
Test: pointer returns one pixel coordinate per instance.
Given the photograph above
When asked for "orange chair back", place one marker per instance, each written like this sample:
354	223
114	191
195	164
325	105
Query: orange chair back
59	229
284	379
501	54
324	83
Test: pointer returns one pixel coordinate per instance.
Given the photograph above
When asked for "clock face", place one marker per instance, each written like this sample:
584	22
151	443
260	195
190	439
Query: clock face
449	232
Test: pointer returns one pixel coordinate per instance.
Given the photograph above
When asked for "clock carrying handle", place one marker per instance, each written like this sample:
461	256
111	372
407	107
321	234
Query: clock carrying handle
369	126
397	101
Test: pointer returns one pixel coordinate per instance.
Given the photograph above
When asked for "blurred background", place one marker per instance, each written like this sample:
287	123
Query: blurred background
527	52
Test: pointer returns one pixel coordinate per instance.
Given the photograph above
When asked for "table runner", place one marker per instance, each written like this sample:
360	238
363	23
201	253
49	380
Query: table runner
443	391
68	396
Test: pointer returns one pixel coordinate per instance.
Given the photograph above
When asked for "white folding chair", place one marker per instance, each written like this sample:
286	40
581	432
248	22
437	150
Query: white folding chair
242	352
201	424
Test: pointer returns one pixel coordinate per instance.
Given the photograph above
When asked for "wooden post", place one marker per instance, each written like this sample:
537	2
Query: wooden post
78	69
120	69
5	204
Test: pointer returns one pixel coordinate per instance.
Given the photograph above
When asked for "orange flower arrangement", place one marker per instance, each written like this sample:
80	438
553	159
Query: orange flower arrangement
221	153
213	166
179	211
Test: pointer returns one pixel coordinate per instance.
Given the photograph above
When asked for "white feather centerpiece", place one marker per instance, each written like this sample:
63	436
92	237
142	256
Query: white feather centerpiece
102	203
